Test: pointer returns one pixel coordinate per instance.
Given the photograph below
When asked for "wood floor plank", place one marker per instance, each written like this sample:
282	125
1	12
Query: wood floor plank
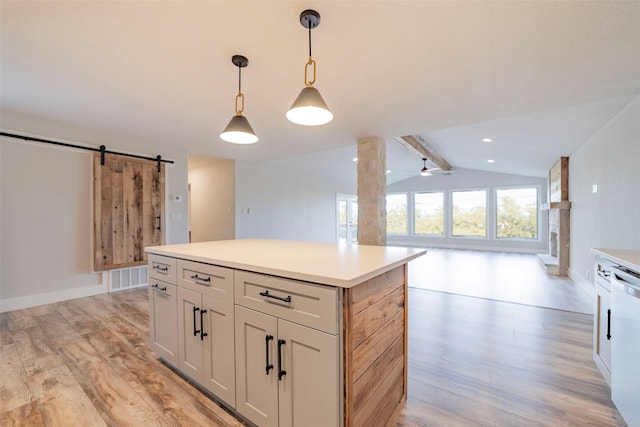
14	391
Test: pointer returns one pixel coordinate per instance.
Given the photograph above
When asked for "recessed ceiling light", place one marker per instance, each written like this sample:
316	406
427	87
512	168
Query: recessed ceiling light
491	161
388	171
487	140
355	159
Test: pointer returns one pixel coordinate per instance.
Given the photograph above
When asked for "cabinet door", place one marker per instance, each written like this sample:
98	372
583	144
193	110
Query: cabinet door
603	319
219	352
190	345
163	320
256	384
309	391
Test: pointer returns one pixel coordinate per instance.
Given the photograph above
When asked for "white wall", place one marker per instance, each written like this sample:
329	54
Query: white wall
212	206
46	238
609	218
283	200
466	179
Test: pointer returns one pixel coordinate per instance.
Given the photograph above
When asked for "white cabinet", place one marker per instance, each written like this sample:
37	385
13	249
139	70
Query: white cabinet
205	327
287	373
602	318
163	320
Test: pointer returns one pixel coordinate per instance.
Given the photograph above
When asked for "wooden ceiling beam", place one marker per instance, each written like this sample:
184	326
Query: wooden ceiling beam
417	145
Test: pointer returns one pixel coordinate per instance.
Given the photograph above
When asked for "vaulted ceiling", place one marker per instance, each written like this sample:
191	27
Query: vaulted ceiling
538	77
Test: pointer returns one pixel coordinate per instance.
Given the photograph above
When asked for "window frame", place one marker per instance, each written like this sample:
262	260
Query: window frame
408	226
495	219
487	212
444	214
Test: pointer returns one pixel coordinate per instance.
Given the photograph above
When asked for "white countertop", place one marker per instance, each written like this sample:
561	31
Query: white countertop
325	263
629	258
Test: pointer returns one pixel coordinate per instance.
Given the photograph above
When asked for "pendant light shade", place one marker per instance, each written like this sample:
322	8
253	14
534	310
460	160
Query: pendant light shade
239	131
309	109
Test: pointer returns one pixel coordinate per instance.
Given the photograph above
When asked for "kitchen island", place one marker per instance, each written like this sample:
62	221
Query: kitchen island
286	333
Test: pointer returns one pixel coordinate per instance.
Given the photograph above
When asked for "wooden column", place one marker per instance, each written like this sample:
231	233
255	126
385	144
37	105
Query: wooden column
372	183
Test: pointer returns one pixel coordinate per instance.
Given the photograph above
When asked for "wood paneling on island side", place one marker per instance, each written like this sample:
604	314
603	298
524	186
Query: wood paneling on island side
375	349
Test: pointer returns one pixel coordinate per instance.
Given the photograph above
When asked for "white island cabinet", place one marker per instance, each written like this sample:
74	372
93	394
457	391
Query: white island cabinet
286	333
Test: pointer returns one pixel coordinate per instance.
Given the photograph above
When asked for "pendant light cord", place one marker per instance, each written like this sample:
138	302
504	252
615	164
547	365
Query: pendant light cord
239	79
309	39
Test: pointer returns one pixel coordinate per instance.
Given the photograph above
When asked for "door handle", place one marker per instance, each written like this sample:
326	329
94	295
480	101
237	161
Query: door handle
195	330
202	332
609	324
159	218
269	365
281	373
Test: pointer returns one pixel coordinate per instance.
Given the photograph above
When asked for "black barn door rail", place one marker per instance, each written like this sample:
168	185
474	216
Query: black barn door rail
102	150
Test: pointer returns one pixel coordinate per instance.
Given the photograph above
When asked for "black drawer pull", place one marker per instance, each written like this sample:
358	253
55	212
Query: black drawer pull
202	332
202	279
269	365
281	373
195	330
160	268
268	295
163	289
609	324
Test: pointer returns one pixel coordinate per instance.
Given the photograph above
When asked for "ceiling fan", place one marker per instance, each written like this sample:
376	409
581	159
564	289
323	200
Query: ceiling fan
432	171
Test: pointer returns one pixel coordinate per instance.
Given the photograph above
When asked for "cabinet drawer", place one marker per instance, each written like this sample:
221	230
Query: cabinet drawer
206	278
162	268
307	304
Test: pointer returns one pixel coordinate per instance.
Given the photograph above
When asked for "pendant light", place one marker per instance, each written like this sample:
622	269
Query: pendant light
424	171
239	131
309	109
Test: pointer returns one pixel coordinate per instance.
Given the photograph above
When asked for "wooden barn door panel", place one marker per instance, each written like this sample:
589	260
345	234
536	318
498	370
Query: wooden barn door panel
128	210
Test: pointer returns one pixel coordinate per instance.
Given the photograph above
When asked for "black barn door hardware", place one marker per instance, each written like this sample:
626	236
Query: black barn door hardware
102	150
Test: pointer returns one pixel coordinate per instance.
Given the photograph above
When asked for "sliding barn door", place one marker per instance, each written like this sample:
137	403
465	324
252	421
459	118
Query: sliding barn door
128	210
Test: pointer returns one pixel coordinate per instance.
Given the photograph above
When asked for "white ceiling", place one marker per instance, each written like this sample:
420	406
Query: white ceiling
540	77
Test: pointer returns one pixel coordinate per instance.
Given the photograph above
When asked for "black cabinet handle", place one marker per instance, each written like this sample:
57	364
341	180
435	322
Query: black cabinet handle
202	333
163	289
269	365
195	330
268	295
159	218
202	279
281	373
609	324
160	268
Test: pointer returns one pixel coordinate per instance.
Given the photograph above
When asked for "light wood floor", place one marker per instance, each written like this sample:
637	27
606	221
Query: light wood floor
473	361
508	277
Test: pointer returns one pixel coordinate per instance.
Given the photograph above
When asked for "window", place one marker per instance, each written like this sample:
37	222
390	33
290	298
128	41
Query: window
517	213
469	213
428	213
397	213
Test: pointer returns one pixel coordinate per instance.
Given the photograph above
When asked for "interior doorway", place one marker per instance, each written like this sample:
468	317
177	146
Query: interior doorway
211	199
347	223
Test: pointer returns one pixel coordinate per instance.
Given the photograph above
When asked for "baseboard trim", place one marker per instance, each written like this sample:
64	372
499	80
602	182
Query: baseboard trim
582	282
10	304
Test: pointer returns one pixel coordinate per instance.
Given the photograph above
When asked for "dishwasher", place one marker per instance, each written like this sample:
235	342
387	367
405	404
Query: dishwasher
625	343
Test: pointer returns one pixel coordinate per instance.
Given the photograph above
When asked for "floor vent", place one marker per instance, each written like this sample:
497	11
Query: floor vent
128	278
